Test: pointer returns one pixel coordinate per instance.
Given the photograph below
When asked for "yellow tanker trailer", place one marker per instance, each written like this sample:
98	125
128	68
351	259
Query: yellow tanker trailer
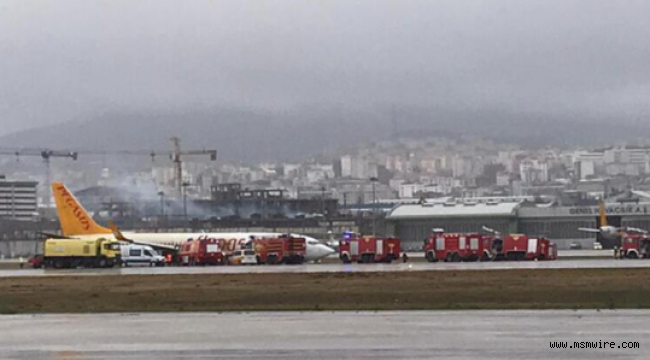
73	253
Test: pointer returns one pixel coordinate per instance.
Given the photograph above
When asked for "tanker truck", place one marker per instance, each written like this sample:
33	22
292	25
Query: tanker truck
74	253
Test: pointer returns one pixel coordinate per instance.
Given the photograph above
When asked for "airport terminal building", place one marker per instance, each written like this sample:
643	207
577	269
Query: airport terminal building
413	222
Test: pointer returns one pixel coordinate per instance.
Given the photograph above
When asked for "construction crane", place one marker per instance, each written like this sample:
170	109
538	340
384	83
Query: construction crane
46	155
178	163
175	155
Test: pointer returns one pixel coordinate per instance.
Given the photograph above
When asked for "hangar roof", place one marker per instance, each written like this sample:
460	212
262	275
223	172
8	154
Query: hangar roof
415	211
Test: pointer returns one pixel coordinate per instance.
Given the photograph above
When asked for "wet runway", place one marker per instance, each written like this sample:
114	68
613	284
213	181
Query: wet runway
339	268
326	335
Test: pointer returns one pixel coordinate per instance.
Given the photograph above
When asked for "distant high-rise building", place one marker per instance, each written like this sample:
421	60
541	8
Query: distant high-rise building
533	171
584	168
18	199
346	166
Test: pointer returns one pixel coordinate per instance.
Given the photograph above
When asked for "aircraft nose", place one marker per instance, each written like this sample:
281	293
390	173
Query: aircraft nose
328	250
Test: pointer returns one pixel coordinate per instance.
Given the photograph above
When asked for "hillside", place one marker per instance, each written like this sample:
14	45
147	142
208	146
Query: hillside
256	136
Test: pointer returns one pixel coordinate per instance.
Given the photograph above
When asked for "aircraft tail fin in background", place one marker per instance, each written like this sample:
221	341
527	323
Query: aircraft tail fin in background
601	211
74	219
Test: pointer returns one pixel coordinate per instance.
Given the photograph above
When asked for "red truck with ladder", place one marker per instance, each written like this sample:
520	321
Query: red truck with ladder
456	247
635	246
368	249
201	251
281	250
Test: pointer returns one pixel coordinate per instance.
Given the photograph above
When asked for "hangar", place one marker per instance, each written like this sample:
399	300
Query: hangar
413	222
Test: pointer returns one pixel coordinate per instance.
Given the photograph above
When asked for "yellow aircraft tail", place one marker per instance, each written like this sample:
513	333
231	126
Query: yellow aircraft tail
601	211
74	219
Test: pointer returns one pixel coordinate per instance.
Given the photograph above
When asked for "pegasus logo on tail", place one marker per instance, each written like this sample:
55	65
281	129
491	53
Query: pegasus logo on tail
72	204
74	219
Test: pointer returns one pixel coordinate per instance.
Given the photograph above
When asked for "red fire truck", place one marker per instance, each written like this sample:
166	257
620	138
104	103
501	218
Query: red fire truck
368	249
456	247
282	250
523	247
201	251
635	246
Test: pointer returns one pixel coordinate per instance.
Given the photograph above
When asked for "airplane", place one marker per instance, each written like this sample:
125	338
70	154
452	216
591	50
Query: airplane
76	223
609	232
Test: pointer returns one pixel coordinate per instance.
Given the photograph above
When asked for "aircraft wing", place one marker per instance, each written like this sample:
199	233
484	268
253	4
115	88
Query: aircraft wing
154	246
53	236
589	230
119	236
491	231
636	230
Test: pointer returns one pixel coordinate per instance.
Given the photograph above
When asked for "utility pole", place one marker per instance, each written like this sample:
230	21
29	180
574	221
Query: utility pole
322	200
373	180
184	191
162	202
178	165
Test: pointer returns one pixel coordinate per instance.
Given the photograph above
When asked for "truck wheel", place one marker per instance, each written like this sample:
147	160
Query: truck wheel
58	264
431	257
632	255
102	263
456	258
345	258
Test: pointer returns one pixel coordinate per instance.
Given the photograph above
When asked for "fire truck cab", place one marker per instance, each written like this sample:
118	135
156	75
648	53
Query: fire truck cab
368	249
456	247
635	246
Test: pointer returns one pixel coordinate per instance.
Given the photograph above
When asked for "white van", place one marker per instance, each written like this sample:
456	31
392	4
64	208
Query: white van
243	257
141	254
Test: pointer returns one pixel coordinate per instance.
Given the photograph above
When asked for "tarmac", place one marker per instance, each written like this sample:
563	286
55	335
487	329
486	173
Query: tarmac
338	268
327	335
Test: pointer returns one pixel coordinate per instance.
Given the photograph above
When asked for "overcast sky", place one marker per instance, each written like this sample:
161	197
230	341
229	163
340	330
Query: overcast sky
64	59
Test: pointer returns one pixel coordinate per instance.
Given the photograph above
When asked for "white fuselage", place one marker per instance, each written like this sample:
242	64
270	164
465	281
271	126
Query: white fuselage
232	241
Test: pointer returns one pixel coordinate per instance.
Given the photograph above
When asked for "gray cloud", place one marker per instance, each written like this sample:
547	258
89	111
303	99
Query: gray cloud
74	59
